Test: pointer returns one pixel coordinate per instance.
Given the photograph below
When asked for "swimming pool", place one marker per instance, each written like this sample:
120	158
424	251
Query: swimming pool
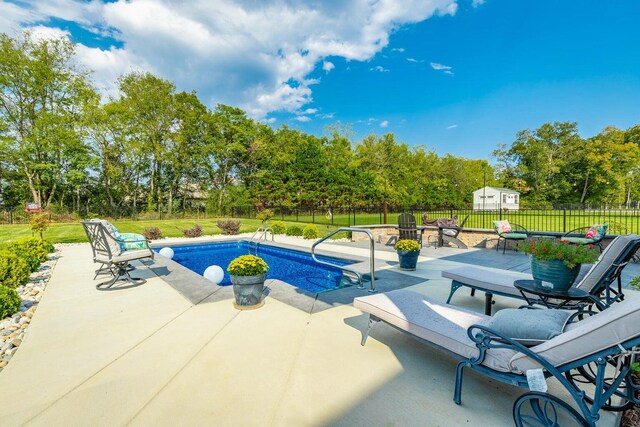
294	267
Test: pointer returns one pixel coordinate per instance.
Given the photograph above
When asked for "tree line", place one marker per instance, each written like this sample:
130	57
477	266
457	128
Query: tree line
154	148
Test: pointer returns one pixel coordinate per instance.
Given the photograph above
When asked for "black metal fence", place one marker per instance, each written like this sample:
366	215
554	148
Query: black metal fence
621	221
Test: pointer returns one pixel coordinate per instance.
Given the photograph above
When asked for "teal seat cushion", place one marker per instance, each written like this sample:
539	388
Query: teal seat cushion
579	240
132	241
520	236
529	326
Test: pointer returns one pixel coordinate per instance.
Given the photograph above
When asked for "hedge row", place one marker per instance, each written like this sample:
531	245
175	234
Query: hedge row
17	261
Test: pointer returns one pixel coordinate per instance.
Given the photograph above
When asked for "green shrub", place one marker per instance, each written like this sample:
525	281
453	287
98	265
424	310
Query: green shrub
14	270
32	249
48	246
279	227
9	302
294	230
310	231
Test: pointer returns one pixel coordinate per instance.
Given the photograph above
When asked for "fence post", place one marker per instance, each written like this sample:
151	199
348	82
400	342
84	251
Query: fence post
296	214
10	217
313	215
354	216
564	220
349	217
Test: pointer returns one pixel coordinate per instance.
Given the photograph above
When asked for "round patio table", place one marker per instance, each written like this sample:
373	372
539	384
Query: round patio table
572	298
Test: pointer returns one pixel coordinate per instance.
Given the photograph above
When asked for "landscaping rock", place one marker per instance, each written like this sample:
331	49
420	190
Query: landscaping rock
12	329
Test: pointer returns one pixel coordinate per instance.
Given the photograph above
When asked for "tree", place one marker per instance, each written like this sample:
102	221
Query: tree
43	96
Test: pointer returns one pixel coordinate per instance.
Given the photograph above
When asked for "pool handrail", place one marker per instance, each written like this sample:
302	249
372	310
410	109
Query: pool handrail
372	288
264	230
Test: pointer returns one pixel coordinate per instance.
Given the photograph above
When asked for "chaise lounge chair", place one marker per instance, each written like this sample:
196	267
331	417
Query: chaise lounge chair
109	251
598	281
600	342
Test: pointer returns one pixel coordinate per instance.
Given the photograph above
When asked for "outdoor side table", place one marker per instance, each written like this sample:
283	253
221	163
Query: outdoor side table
572	298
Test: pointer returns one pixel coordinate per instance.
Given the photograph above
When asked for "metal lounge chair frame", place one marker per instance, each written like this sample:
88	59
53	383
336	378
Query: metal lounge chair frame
107	251
407	228
536	408
606	290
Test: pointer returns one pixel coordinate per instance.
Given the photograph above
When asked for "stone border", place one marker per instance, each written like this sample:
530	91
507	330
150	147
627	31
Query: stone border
14	328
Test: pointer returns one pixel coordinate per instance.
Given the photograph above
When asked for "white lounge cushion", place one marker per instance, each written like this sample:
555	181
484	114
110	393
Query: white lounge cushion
441	324
613	326
499	281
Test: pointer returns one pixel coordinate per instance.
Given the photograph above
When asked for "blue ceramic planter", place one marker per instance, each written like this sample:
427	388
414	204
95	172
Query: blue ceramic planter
408	259
553	273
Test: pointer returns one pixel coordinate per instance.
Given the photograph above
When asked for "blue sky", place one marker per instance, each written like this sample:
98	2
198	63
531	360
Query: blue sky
460	77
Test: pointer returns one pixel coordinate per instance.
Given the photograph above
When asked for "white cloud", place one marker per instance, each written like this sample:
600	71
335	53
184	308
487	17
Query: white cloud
452	126
444	68
328	66
271	120
303	119
397	49
256	55
476	3
379	68
384	123
414	60
310	111
326	115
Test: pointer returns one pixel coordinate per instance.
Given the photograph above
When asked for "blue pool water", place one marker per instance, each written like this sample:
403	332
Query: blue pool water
294	267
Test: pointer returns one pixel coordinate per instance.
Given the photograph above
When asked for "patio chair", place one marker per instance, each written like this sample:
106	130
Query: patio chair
598	280
599	343
407	228
509	232
108	250
450	233
587	235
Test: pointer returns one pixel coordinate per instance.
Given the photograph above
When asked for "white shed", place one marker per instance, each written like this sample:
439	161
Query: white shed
492	198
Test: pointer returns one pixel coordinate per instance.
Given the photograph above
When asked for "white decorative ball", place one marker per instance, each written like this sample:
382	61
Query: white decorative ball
166	252
215	273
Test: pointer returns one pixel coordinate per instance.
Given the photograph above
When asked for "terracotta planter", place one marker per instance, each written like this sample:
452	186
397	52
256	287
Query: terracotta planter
408	259
248	291
553	273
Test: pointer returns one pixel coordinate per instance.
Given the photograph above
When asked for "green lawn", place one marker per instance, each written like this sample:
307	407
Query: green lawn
73	232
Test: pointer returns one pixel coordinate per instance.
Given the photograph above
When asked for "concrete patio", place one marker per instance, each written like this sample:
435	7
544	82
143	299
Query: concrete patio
147	355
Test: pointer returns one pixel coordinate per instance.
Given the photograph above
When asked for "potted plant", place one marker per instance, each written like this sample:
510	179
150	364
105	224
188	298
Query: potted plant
248	273
408	252
556	263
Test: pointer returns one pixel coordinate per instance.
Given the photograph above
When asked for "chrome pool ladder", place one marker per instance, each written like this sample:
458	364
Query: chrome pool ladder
261	232
346	268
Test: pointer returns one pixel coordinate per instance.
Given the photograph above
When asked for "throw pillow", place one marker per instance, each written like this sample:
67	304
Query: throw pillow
529	327
503	226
